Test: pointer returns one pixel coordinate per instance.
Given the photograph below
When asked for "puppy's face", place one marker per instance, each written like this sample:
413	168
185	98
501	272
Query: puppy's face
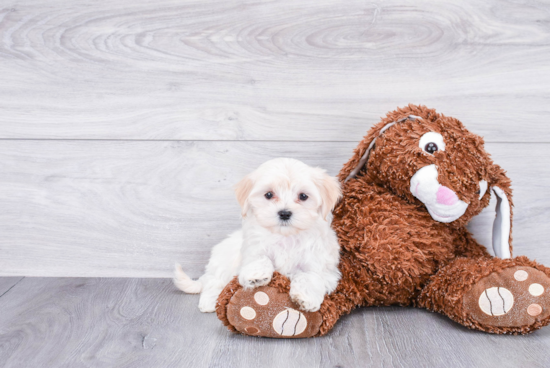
286	196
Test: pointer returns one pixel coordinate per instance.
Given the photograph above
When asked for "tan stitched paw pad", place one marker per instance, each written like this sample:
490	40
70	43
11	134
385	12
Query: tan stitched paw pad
515	297
264	311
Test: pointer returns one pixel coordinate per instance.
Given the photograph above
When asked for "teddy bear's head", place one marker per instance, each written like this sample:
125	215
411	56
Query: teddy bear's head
433	161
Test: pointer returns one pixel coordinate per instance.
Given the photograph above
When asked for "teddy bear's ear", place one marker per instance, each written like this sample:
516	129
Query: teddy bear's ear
502	226
362	152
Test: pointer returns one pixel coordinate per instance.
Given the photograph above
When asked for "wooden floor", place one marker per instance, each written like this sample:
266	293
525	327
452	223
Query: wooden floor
110	322
124	124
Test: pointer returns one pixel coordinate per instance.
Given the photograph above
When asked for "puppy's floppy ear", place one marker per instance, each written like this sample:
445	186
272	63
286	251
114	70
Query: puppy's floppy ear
502	226
242	191
330	190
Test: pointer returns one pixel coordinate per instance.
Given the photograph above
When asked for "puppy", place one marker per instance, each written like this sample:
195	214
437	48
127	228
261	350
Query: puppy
286	215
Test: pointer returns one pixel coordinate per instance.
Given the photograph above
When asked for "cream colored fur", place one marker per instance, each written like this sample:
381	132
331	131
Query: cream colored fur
304	248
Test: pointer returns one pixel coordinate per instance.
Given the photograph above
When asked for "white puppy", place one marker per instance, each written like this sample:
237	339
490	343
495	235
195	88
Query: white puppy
286	210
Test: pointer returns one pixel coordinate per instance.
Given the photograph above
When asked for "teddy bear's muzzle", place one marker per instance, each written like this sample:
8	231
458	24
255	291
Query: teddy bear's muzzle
442	203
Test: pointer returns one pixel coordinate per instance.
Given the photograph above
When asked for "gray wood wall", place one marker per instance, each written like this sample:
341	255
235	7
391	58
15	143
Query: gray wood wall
123	125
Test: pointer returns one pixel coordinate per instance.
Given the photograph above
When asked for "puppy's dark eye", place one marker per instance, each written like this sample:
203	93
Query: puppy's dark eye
303	197
268	195
430	147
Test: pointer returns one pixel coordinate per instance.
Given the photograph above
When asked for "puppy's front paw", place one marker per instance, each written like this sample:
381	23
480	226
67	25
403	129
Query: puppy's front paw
207	307
207	304
251	278
307	300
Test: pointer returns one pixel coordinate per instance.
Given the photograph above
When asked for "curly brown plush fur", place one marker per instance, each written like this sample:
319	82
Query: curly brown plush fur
394	253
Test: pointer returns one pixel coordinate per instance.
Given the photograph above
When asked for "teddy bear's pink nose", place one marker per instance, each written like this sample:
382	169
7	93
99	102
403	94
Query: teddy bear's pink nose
446	196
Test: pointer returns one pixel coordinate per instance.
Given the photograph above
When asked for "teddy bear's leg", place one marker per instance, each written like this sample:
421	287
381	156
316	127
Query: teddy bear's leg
491	294
268	311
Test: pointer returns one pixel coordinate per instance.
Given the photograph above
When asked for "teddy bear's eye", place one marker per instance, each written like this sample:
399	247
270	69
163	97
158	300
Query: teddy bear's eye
430	147
432	142
268	195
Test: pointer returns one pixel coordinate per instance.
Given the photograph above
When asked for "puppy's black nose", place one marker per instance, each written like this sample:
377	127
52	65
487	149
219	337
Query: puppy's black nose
284	214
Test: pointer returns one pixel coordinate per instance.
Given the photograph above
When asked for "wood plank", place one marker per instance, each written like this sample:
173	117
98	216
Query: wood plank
131	209
137	323
285	70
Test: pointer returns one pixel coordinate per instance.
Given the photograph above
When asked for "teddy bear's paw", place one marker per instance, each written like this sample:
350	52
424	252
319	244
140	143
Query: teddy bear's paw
515	297
264	311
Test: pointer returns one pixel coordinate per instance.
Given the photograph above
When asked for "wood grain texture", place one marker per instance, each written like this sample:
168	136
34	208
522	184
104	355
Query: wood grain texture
269	70
7	283
131	209
58	322
124	124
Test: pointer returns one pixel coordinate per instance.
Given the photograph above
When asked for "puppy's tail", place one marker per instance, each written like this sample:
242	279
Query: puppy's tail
185	283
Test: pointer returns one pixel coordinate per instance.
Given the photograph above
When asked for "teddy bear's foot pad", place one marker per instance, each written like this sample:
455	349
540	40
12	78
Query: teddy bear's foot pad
264	311
514	297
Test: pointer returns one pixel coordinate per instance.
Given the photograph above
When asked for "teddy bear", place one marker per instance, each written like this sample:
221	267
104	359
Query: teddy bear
412	185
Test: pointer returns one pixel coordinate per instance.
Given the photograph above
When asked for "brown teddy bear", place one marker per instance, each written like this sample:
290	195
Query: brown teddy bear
412	185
